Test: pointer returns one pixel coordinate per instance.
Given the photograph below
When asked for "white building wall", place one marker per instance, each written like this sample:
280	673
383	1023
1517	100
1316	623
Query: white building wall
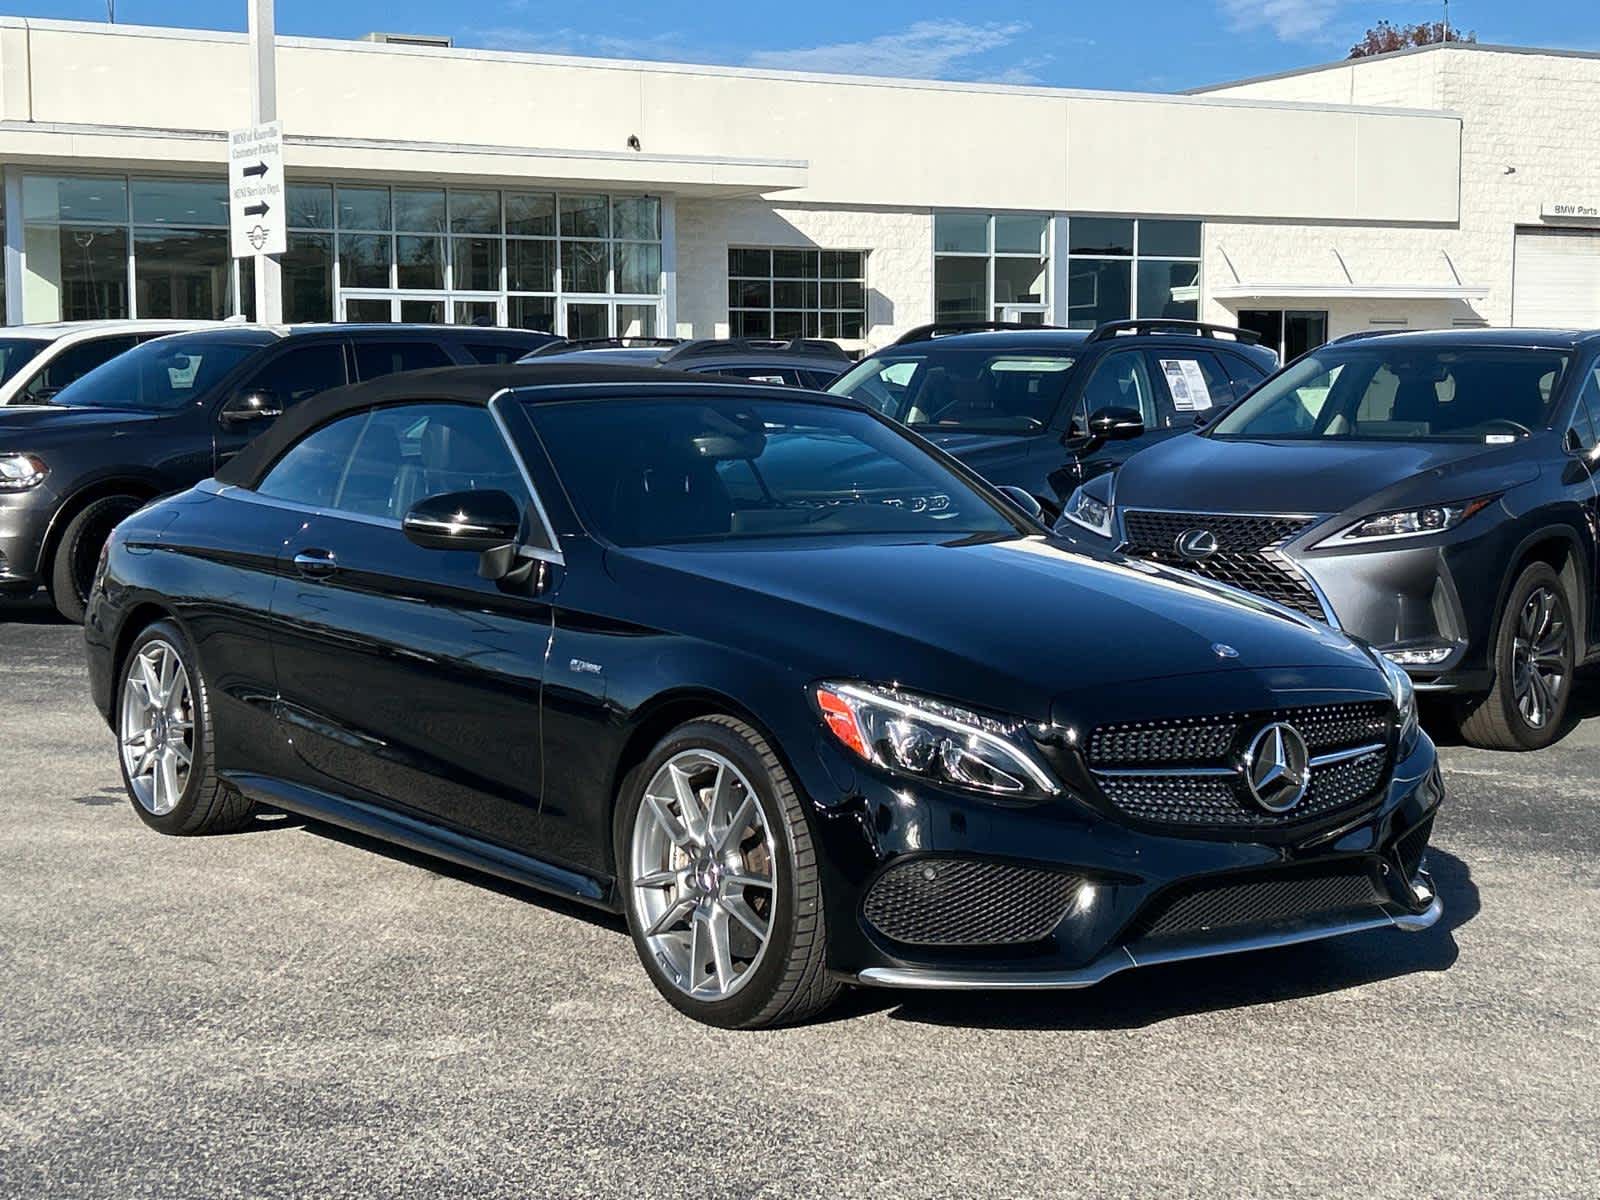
1527	140
899	259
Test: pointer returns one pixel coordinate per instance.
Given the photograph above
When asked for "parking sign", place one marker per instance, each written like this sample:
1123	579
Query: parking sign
257	221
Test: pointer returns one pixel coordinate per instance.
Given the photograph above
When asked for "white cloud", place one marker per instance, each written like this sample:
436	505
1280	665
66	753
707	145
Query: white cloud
1291	20
926	50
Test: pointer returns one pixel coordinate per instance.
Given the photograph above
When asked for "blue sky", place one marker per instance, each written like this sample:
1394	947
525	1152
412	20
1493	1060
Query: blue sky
1157	45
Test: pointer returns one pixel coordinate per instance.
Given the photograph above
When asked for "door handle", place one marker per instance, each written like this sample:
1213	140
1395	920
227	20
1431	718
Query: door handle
316	563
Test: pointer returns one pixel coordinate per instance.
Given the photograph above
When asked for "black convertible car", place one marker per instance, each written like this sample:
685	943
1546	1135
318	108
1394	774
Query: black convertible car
803	697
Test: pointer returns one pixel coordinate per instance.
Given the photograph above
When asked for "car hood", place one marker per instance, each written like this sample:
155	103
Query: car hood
960	444
1010	624
1316	477
31	428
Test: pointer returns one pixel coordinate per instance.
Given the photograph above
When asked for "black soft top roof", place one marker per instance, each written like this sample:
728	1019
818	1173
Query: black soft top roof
459	385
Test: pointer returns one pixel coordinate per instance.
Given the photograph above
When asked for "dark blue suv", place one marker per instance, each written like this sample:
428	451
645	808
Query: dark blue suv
1043	409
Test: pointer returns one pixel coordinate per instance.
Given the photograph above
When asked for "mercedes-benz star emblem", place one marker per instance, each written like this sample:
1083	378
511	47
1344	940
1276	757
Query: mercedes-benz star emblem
1277	767
1195	544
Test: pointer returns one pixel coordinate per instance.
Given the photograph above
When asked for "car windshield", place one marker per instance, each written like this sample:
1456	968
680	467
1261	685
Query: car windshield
159	376
703	469
962	389
1403	393
15	352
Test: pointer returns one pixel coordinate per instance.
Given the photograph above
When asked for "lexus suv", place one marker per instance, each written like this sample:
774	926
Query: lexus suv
806	700
170	412
1431	493
1044	409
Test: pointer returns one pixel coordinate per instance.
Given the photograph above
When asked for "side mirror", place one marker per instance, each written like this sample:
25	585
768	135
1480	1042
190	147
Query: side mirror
249	408
1024	500
476	521
1116	424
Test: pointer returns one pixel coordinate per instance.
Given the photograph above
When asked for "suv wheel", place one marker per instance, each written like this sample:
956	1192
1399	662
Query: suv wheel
720	880
1534	655
164	739
78	553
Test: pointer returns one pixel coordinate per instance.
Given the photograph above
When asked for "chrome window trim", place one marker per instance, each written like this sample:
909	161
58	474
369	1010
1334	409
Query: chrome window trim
553	554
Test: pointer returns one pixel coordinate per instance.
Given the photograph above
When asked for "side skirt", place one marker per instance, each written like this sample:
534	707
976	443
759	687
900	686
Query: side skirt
459	848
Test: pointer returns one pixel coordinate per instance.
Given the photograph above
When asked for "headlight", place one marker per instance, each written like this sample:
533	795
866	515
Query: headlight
1091	512
19	472
1411	522
1405	703
928	739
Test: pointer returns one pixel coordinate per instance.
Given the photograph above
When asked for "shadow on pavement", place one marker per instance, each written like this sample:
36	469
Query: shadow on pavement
1146	996
35	610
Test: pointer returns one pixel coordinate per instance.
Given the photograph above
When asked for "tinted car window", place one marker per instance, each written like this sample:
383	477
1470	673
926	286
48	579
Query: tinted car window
1245	373
312	470
1194	380
962	389
1586	417
301	372
163	375
1120	380
15	352
1403	393
74	363
494	355
772	375
717	470
377	358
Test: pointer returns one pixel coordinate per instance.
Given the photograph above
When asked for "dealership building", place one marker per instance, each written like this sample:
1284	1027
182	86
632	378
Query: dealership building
1444	186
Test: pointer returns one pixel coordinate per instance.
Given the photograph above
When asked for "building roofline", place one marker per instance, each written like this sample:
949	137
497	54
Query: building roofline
1317	68
1195	97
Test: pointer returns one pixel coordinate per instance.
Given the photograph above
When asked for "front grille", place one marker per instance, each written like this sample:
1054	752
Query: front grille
1185	773
1248	553
963	902
1210	908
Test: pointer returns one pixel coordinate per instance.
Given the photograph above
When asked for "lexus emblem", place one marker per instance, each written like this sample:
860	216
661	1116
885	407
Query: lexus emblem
1277	767
1195	544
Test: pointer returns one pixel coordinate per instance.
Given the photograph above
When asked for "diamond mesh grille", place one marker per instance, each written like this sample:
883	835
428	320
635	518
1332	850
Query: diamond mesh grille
960	902
1217	907
1247	554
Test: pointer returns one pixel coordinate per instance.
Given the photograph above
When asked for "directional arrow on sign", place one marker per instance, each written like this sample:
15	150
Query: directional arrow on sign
257	210
259	169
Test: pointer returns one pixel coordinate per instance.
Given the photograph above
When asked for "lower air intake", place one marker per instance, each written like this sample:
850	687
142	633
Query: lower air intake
963	902
1260	901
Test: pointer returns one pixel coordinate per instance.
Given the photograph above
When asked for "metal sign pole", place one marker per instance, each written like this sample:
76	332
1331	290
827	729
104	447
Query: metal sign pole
264	108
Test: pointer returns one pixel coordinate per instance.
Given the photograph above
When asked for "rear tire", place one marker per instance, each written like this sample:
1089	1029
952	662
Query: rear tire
164	742
1534	653
709	831
78	553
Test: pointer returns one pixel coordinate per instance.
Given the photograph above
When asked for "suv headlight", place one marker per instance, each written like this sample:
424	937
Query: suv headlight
1090	506
1410	522
1405	703
19	472
929	739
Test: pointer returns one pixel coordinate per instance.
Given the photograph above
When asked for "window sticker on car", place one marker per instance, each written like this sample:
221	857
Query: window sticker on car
1187	383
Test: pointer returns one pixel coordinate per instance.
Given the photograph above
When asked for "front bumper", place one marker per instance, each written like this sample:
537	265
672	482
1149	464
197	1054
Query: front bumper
1123	877
24	520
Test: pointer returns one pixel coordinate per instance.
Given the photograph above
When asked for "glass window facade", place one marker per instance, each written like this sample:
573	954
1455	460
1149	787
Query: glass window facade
1121	267
128	246
789	293
987	263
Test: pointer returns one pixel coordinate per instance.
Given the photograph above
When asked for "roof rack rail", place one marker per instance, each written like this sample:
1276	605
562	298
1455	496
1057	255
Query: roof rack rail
1362	334
1111	329
923	333
563	345
745	345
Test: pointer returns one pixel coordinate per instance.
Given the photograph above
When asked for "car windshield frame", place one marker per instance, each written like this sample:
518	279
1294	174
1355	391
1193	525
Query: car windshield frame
1352	371
135	372
18	352
933	356
574	450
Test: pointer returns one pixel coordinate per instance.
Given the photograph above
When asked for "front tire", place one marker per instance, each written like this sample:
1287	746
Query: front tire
720	880
164	742
78	553
1535	650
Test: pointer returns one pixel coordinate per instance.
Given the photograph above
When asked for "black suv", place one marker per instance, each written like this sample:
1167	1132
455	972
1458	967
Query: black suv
803	362
169	413
1432	492
1043	409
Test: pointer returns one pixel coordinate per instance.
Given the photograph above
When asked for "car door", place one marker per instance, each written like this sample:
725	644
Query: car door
1119	379
1582	443
402	674
286	376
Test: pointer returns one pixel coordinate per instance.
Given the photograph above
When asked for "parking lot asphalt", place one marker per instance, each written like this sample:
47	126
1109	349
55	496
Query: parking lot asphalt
286	1012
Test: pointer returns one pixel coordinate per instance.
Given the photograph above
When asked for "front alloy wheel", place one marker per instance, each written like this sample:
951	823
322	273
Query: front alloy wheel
719	877
1540	654
1535	653
157	727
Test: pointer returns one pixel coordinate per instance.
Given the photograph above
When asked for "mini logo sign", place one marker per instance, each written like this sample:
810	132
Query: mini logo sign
1195	544
1277	767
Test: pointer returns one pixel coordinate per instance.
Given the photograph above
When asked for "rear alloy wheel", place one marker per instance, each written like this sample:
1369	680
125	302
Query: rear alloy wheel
720	880
78	553
1534	660
164	741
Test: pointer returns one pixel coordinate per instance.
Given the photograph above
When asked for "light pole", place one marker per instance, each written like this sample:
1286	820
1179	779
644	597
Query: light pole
264	108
